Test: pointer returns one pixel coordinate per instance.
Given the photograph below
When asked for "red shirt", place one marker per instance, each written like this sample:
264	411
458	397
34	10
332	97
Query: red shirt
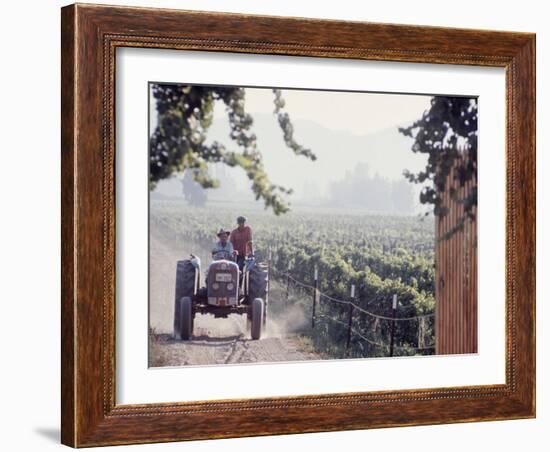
240	239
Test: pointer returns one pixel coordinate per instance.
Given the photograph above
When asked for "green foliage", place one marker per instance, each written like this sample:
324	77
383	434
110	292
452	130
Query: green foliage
447	132
178	143
288	128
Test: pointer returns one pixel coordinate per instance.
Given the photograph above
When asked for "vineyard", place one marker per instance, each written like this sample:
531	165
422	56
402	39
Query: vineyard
384	258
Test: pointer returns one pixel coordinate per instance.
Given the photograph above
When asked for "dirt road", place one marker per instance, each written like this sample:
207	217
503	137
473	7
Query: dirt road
207	350
225	341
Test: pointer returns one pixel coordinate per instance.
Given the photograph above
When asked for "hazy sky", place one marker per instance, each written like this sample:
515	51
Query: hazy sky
358	113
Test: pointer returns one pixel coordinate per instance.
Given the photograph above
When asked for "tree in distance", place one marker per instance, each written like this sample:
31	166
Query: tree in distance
192	191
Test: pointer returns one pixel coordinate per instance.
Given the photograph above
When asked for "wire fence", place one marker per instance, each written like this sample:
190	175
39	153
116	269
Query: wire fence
349	302
353	329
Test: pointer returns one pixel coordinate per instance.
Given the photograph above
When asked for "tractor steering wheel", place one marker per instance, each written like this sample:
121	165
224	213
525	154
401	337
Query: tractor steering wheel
222	255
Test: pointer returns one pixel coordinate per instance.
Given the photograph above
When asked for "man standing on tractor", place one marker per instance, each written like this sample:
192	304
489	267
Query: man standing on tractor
241	239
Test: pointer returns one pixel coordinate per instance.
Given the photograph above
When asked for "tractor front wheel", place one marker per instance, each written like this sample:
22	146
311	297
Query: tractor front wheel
184	319
257	318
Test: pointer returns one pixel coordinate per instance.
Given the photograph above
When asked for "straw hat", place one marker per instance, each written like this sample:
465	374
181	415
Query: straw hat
223	231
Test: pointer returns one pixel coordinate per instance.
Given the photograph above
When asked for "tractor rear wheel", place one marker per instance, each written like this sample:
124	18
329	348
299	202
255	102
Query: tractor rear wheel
258	282
185	287
257	318
185	279
183	324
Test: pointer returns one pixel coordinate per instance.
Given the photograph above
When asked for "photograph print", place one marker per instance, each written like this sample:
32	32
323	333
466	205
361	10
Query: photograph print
295	225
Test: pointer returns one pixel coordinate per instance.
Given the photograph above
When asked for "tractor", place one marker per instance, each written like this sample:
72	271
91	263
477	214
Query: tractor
228	290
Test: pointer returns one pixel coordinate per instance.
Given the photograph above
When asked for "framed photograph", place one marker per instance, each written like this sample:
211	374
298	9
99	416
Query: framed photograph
281	225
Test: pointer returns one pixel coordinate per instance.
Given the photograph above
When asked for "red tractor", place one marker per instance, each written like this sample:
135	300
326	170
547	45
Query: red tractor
228	291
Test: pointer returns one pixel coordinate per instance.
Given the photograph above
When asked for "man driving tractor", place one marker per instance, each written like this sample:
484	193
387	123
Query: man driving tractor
223	245
241	239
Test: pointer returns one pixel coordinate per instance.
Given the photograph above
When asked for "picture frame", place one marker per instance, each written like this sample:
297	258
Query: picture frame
90	36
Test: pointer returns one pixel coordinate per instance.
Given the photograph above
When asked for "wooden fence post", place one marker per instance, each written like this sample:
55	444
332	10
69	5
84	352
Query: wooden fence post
350	316
315	292
269	258
288	282
421	331
393	312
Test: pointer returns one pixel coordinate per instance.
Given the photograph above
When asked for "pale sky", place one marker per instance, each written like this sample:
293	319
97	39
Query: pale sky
358	113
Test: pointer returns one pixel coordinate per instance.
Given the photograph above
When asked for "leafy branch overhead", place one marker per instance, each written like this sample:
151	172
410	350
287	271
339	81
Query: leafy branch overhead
447	132
178	143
